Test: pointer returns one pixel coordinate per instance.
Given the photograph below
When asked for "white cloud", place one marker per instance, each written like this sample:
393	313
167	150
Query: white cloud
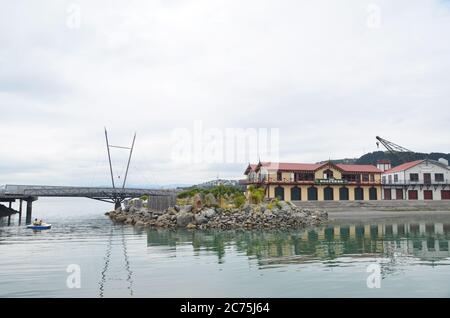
313	69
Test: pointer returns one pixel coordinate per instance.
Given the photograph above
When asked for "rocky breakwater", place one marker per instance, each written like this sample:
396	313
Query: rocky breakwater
268	215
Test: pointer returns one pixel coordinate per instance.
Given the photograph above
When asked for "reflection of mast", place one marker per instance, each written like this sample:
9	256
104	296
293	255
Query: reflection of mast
129	278
127	264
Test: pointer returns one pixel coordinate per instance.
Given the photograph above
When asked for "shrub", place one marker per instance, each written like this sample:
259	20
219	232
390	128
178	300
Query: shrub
239	200
256	194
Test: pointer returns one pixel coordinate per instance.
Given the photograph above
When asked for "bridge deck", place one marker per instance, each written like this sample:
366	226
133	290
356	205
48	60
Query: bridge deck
25	191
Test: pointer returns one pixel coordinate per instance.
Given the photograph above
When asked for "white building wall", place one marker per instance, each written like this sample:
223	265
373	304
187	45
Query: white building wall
422	168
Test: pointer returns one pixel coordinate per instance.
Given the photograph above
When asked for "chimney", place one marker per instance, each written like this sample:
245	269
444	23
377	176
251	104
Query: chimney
383	164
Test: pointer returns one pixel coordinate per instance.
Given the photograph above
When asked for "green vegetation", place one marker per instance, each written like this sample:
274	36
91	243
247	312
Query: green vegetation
256	194
239	200
144	197
274	203
220	191
373	157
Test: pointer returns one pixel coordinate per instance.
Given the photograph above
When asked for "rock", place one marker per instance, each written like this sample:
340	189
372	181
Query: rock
184	218
210	200
139	223
186	208
137	203
177	208
172	210
191	226
197	202
200	219
284	206
209	213
129	221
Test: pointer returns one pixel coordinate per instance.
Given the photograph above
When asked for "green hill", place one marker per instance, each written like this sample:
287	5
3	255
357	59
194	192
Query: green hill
373	157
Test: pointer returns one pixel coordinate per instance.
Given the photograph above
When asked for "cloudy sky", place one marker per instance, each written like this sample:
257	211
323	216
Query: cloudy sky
327	75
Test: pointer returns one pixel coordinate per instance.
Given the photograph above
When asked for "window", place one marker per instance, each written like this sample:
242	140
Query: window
395	177
302	176
372	177
365	177
328	174
390	179
414	177
279	176
439	177
351	177
383	179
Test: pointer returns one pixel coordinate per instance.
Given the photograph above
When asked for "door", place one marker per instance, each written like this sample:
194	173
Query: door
427	195
312	194
359	194
328	194
412	195
343	194
427	178
387	194
445	194
295	194
399	194
373	194
279	193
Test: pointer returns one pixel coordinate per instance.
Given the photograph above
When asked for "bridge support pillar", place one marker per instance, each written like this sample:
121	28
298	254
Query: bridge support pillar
20	211
29	211
117	205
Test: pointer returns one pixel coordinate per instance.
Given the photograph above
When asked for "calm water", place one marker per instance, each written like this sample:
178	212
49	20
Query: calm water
121	261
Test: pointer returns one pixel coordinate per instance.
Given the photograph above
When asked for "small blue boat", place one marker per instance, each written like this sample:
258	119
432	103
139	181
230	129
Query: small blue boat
43	226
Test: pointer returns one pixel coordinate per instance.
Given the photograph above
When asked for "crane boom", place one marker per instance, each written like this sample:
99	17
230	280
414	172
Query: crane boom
401	153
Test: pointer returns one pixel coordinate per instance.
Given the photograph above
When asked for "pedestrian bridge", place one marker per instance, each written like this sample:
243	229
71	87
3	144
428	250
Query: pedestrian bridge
159	199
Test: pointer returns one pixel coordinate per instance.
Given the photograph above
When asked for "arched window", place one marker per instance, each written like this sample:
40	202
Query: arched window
359	194
312	194
279	193
343	193
328	194
296	194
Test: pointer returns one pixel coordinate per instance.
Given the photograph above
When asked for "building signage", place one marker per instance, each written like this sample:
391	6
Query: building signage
330	181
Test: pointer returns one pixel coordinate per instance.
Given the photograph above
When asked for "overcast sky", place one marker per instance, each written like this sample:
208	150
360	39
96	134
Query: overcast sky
329	75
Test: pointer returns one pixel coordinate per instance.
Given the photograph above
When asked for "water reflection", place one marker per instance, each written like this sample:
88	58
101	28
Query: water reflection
426	242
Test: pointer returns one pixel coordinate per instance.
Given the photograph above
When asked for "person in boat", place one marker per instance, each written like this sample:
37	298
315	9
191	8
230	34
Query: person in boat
36	222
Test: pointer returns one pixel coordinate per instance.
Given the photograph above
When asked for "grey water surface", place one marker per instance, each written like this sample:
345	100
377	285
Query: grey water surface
122	261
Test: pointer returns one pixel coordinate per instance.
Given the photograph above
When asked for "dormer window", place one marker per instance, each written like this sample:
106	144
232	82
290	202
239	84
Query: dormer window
328	174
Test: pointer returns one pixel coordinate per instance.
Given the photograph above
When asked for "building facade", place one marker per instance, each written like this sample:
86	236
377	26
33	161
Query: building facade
316	182
417	180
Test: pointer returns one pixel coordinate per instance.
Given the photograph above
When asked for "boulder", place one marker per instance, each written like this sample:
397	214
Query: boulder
139	223
137	203
209	213
186	208
184	218
191	226
197	202
200	219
